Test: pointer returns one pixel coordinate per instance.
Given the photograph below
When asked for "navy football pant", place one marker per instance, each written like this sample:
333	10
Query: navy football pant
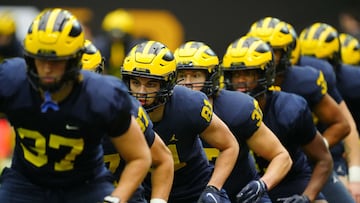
15	188
335	191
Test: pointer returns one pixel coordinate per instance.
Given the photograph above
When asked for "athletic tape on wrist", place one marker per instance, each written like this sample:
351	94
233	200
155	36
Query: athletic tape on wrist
326	142
157	200
354	174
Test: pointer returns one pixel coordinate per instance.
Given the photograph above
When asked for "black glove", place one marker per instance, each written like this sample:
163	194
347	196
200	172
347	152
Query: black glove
252	192
212	195
295	199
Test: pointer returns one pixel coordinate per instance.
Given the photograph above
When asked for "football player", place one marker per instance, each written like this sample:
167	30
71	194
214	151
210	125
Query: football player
180	116
249	66
116	40
306	82
309	83
197	66
162	162
60	116
319	49
10	46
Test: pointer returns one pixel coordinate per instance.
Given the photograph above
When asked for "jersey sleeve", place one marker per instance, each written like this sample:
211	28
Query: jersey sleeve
143	119
12	74
196	109
116	105
303	124
254	119
307	82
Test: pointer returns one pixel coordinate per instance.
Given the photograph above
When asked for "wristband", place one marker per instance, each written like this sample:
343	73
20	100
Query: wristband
326	142
157	200
354	174
111	199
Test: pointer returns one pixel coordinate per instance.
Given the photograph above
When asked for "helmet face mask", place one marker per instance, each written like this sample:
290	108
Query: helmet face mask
55	34
250	58
154	61
197	78
197	56
244	80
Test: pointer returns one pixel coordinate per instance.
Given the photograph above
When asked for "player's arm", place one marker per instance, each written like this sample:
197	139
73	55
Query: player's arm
265	144
352	153
318	153
134	150
329	113
218	135
163	172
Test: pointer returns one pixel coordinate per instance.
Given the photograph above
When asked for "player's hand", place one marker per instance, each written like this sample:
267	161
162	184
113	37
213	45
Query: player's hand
213	195
295	199
252	192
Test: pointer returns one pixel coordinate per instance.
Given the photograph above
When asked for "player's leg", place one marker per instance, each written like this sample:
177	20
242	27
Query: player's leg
335	191
15	188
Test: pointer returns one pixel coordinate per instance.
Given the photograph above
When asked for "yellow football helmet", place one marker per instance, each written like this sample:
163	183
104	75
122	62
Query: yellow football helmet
151	59
277	34
295	50
7	22
118	23
321	40
91	59
55	34
194	55
350	49
250	53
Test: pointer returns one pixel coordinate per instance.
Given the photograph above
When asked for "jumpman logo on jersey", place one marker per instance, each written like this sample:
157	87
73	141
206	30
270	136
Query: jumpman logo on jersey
173	138
340	169
335	179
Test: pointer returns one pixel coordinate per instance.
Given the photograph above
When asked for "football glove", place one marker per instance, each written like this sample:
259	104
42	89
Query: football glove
212	195
295	199
252	192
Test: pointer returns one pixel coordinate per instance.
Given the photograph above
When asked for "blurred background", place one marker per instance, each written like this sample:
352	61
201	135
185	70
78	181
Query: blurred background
214	22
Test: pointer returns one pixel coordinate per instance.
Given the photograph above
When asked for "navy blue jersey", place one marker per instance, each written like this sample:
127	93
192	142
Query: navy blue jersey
242	114
349	85
62	148
306	82
328	71
289	117
112	158
187	114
